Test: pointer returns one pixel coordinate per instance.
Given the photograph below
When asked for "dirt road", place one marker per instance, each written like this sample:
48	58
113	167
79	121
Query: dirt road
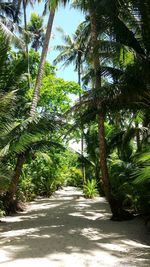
70	231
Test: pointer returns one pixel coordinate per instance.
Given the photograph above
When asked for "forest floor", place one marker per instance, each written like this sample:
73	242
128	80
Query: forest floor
67	230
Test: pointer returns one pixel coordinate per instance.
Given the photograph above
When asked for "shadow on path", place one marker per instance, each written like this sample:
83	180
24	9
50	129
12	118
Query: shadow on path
68	230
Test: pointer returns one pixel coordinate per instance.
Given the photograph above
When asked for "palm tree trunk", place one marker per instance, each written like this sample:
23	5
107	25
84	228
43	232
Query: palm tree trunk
10	201
98	179
82	137
26	41
42	63
138	143
103	155
101	127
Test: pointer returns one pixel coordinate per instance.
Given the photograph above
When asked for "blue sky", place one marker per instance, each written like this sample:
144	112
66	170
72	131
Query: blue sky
68	19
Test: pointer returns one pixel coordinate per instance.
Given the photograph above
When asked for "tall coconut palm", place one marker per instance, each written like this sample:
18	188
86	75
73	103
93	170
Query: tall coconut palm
36	31
52	6
98	84
91	8
24	4
97	9
72	52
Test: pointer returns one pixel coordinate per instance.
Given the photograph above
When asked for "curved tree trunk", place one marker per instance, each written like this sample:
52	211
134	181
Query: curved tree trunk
10	201
10	198
42	63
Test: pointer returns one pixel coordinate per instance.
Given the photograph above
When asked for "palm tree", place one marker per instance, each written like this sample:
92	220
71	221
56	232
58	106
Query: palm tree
23	4
72	52
9	77
98	84
8	23
8	8
36	31
18	137
92	7
24	139
52	5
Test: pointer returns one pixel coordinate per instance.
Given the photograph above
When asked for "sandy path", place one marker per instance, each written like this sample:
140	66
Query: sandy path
68	231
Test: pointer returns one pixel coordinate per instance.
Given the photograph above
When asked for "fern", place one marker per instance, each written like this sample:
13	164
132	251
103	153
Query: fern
90	189
24	142
143	175
144	157
142	172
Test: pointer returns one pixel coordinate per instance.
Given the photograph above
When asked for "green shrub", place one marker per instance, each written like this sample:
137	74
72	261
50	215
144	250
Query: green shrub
25	190
141	182
74	177
121	183
89	189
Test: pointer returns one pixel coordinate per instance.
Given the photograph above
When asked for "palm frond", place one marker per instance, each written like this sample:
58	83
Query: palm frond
24	142
10	35
143	158
44	156
143	175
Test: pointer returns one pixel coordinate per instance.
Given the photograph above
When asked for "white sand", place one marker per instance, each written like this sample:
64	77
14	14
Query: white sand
69	231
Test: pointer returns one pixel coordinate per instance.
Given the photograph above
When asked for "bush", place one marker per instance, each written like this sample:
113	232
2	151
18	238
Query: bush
121	183
74	177
89	189
25	190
